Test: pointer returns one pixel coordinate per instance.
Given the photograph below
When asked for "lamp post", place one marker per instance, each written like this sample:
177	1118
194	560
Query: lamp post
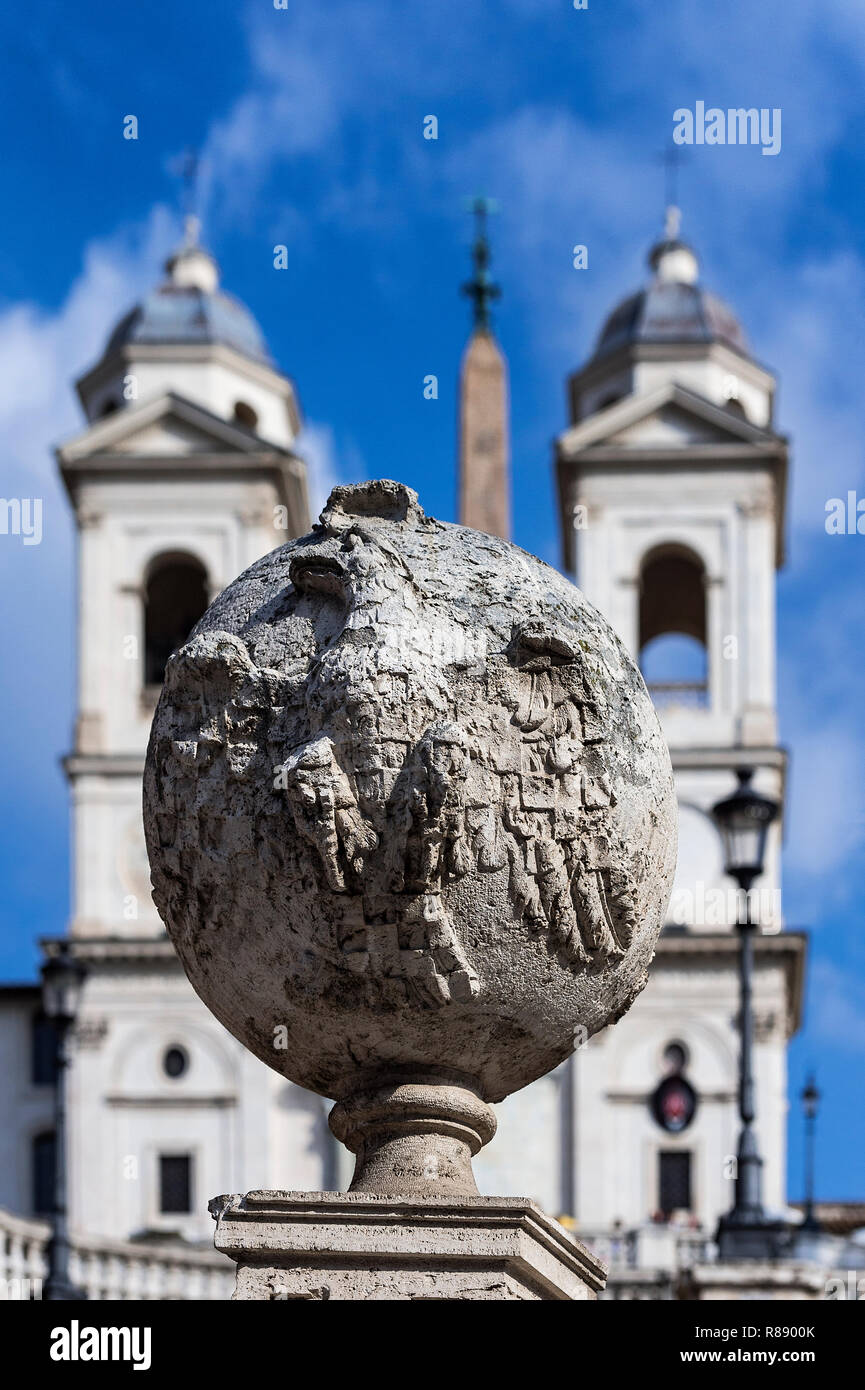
810	1102
743	819
62	983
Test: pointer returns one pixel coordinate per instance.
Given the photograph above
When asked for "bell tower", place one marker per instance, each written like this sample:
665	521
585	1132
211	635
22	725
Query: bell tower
672	482
672	486
184	474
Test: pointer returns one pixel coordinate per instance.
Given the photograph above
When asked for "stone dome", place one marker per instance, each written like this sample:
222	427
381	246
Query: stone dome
672	308
190	308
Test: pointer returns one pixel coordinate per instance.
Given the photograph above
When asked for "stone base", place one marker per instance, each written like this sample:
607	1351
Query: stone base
356	1245
766	1241
755	1280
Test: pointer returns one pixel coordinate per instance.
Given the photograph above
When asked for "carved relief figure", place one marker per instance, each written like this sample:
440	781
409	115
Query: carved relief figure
409	800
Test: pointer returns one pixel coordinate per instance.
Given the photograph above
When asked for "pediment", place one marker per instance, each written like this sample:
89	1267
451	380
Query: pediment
168	424
671	417
671	425
169	435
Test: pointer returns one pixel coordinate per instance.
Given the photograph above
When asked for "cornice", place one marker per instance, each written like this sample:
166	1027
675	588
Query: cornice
789	948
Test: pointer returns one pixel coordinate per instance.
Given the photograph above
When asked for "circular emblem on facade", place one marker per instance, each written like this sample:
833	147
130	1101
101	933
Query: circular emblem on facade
674	1104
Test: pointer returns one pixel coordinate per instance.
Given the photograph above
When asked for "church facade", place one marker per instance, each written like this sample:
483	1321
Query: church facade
671	487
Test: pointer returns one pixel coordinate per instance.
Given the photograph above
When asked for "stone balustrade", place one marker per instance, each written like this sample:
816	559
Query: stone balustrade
651	1246
111	1270
646	1261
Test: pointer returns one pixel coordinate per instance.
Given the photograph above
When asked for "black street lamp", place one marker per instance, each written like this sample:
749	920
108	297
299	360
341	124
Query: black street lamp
743	819
810	1102
62	983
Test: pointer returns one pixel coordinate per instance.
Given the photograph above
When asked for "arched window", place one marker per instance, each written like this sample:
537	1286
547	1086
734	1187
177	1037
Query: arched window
673	654
245	415
175	598
43	1168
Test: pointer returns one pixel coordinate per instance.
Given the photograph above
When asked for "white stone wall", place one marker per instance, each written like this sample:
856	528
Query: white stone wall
242	1126
527	1156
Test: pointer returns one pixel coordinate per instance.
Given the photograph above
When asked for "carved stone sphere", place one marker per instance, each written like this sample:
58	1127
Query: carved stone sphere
408	807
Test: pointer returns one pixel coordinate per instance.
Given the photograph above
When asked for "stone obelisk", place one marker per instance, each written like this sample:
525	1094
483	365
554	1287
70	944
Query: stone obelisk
484	473
412	829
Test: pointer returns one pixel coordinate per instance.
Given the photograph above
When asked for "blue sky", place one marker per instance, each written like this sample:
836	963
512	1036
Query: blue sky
310	122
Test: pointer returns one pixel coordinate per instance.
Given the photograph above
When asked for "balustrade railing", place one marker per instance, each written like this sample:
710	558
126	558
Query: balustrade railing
689	694
111	1269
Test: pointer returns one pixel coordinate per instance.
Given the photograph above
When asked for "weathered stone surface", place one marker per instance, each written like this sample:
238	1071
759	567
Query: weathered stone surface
409	812
322	1245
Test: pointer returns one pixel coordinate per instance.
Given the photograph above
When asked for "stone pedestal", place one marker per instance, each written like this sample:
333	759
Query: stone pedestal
755	1280
358	1245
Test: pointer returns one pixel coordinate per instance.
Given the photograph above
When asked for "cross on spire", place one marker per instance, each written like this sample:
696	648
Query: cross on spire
187	167
672	158
672	222
480	289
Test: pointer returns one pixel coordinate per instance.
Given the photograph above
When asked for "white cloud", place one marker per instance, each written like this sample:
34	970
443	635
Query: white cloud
316	444
41	352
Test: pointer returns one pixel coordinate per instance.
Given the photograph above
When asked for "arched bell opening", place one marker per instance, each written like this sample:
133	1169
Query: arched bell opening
175	597
673	648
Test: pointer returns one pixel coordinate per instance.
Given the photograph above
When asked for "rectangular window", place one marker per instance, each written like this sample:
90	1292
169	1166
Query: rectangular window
674	1180
43	1068
175	1183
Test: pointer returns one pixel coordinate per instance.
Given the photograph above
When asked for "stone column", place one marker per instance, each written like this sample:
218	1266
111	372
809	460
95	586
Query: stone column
412	1225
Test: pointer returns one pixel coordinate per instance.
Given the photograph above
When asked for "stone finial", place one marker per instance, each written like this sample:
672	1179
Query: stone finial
411	825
